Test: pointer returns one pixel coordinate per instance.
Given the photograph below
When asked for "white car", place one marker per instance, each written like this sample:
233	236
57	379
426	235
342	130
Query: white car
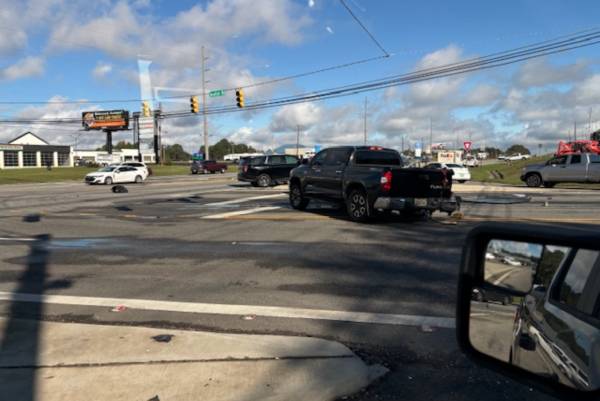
471	162
460	173
138	165
516	157
510	261
116	175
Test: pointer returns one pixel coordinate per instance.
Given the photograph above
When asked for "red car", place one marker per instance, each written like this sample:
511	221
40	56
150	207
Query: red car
208	166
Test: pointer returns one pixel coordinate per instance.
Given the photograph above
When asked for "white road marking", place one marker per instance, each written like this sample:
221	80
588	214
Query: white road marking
239	310
240	212
242	200
18	239
503	277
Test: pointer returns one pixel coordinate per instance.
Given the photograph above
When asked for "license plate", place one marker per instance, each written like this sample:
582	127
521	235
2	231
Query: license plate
420	202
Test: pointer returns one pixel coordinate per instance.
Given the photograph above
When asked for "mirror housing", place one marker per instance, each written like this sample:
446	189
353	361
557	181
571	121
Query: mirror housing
472	277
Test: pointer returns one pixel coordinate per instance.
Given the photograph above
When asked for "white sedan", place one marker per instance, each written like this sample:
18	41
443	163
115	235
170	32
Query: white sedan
116	175
460	173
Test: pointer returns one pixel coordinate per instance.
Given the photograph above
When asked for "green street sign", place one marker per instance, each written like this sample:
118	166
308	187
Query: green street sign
218	92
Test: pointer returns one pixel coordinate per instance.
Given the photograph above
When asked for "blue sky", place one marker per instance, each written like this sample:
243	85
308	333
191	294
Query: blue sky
68	50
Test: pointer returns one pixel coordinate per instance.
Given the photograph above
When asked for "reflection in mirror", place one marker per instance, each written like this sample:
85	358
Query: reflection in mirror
538	308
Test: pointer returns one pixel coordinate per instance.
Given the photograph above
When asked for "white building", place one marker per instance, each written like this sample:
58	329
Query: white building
117	156
31	151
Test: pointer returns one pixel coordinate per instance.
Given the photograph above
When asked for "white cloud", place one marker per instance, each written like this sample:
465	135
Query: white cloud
329	29
102	70
24	68
288	118
311	3
539	72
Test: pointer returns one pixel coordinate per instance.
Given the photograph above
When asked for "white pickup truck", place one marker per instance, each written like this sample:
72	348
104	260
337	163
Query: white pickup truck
584	167
516	157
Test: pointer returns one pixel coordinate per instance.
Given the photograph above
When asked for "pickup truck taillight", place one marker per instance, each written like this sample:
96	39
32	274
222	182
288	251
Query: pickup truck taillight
386	181
245	168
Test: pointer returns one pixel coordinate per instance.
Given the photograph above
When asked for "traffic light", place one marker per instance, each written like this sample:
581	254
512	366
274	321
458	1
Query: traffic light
194	105
146	109
239	97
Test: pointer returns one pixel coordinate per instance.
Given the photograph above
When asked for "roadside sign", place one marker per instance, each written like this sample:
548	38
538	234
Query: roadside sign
215	93
467	145
198	156
418	150
146	134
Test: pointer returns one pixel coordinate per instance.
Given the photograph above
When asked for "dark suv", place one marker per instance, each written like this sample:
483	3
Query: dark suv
263	171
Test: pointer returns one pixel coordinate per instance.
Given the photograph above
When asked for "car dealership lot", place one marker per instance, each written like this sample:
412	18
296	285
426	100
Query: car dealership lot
208	253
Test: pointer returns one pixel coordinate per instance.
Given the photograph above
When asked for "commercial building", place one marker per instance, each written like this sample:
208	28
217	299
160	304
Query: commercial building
83	156
30	151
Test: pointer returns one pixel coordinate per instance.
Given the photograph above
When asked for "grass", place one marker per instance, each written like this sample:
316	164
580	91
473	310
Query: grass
511	172
32	175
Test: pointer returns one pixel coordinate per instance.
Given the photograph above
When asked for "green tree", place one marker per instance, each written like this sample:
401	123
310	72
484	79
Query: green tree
514	149
119	145
175	152
224	147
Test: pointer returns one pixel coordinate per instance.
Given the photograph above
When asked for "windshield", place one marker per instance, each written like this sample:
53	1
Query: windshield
279	224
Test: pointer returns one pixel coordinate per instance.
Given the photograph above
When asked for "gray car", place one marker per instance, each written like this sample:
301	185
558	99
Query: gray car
583	167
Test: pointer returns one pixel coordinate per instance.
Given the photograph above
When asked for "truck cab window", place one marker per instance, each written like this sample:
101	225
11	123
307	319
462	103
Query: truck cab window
337	157
575	159
319	159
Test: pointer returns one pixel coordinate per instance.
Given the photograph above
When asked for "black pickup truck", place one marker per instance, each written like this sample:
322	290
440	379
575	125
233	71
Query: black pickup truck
370	179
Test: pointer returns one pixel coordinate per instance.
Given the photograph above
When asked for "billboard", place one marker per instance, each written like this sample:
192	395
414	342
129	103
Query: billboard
113	120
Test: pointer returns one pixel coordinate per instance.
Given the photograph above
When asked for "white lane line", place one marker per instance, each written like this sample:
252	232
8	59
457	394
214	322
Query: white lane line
242	200
240	212
18	239
503	277
240	310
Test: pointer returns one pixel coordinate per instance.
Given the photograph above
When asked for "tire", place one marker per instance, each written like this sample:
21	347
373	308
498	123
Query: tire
533	180
205	171
138	179
194	171
461	181
297	199
222	171
263	180
549	184
357	206
108	181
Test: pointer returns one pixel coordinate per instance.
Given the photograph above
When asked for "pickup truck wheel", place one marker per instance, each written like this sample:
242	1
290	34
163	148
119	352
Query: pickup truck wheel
549	184
204	171
194	171
357	206
263	180
533	180
297	200
222	171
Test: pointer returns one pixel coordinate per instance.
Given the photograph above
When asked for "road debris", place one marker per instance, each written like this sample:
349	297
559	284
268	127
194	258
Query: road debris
248	317
163	338
119	308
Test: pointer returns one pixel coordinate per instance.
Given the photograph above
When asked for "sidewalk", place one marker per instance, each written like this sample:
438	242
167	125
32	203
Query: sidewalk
69	361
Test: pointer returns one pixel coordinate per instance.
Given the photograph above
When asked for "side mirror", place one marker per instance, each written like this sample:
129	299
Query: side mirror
527	307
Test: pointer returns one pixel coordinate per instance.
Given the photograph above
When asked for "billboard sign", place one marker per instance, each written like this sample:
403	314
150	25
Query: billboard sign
113	120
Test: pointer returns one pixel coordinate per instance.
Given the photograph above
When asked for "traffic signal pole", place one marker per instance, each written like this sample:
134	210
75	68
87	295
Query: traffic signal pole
206	151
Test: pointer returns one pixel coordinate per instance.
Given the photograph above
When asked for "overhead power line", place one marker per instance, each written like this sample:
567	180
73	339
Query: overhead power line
359	22
249	85
566	43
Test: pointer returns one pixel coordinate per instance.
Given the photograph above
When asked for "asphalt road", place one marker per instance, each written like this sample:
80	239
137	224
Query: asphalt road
207	253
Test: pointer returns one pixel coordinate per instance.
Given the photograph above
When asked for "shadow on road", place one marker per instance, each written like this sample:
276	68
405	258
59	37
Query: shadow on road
20	342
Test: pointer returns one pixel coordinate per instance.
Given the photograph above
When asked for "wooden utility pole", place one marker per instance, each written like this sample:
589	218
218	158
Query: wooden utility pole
206	152
365	121
298	141
575	130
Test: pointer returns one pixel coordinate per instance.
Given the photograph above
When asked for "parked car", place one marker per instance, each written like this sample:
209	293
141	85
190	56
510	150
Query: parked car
460	173
369	179
116	175
208	166
263	171
584	167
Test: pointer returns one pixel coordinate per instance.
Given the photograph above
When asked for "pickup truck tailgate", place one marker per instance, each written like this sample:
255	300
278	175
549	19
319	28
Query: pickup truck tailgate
421	183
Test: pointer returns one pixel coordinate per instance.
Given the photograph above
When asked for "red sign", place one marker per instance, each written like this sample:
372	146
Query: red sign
467	145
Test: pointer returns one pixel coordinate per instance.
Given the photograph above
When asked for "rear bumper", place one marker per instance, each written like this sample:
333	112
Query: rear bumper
245	179
448	205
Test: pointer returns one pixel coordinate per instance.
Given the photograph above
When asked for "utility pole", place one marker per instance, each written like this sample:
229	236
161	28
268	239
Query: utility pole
590	121
206	152
575	130
430	136
298	141
402	143
365	121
